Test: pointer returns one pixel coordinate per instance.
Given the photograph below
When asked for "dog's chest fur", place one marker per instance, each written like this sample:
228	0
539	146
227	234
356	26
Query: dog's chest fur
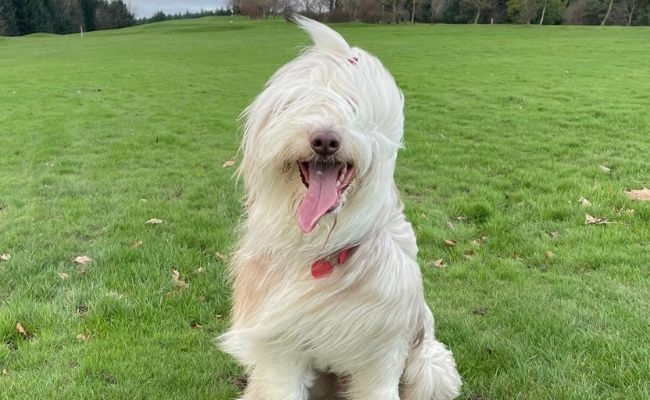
327	319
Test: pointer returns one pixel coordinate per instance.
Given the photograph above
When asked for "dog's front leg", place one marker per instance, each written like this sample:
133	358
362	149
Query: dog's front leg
279	380
379	379
375	383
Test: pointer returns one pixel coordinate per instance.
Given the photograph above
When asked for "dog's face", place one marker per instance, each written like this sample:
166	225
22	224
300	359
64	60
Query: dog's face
322	138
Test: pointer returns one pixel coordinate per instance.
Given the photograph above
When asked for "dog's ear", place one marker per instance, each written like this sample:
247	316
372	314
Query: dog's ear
323	36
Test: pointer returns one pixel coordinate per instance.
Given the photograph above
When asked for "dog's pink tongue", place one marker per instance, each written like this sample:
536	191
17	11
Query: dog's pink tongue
321	195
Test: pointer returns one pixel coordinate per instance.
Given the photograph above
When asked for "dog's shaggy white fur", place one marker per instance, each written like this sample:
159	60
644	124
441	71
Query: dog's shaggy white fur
328	297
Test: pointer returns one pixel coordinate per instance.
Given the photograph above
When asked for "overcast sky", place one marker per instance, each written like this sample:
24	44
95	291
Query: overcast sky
146	8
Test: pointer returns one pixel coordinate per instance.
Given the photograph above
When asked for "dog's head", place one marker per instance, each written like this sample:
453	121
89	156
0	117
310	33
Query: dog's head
321	140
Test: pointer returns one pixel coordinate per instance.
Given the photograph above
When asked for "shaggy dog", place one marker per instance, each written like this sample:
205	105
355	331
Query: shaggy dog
328	298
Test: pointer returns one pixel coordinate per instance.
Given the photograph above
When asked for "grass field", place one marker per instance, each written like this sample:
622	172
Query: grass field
506	129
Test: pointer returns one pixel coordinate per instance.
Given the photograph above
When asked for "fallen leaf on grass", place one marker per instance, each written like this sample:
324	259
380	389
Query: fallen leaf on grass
450	243
218	316
199	270
196	325
439	263
23	332
549	254
554	234
624	211
222	257
5	257
178	282
5	372
63	275
639	194
479	241
584	202
154	221
605	169
136	244
83	338
229	163
591	220
115	295
83	260
479	311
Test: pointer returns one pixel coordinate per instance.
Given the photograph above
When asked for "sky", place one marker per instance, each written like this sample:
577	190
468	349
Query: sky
146	8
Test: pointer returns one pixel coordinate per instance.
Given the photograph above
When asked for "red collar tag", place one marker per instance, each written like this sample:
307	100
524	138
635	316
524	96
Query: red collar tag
324	267
321	268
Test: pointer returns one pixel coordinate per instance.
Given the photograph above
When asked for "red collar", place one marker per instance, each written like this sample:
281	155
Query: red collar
324	266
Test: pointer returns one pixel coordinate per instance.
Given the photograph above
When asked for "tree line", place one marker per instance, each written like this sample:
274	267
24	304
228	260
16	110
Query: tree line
22	17
159	16
573	12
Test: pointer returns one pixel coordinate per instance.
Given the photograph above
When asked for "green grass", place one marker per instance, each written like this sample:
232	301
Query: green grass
506	128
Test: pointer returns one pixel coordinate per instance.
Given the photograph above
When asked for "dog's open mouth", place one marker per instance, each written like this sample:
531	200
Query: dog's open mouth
325	182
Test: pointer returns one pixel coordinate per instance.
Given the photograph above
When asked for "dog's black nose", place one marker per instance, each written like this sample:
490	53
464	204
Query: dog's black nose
325	143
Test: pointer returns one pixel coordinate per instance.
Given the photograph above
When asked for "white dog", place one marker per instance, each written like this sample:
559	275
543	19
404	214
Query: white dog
328	298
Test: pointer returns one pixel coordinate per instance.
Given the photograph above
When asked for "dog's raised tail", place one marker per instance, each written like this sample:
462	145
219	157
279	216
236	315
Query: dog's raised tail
323	37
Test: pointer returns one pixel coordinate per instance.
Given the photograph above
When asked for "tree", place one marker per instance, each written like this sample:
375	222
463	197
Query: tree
609	10
256	9
584	12
396	5
438	8
627	11
87	14
551	12
21	17
351	8
158	16
541	19
8	24
120	15
644	15
522	11
67	16
628	8
478	6
542	11
235	6
113	15
33	16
